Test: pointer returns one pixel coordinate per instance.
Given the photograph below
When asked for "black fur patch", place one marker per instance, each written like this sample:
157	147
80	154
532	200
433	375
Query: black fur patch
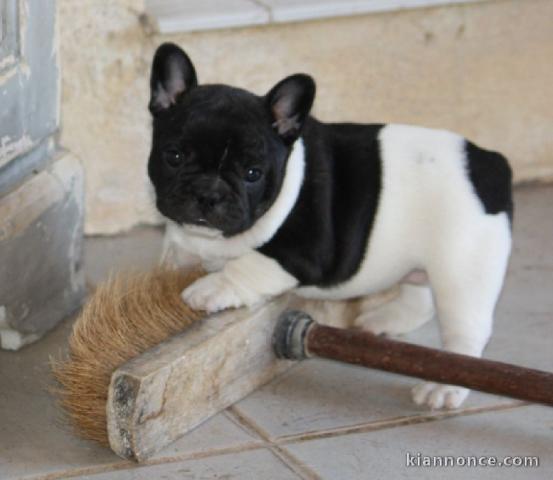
324	238
491	178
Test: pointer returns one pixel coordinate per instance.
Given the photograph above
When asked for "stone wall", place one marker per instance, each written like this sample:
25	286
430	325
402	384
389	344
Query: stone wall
482	69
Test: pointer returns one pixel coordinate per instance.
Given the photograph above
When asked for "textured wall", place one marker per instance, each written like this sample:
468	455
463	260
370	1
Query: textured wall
482	69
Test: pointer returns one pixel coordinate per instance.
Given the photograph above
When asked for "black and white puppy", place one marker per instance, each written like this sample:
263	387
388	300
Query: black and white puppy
270	199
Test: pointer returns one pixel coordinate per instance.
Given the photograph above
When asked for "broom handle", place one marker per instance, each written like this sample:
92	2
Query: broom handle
298	336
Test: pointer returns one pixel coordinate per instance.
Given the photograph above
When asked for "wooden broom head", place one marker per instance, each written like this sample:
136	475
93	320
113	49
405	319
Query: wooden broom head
125	316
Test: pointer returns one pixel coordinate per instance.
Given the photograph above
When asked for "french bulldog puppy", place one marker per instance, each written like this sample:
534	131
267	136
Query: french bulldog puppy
269	199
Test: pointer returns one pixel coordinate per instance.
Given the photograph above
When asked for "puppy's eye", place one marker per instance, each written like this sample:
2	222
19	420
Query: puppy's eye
173	158
253	175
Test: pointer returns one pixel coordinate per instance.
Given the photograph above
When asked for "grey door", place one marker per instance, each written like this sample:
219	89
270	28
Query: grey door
41	194
29	93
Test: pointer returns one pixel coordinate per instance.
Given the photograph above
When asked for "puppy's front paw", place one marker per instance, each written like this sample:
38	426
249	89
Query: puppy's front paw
436	395
212	293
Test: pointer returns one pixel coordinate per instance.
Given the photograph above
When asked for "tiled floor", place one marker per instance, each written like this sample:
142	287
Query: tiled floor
320	420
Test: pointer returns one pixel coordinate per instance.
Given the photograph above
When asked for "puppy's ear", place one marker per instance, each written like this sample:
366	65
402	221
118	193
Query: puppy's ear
172	75
289	102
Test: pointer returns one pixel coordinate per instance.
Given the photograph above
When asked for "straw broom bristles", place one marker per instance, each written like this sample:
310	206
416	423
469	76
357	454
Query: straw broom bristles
126	315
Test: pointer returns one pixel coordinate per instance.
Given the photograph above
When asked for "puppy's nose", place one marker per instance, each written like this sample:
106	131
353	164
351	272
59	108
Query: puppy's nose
209	199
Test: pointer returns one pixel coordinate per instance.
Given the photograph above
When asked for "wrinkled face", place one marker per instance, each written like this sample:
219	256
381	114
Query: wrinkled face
219	153
215	160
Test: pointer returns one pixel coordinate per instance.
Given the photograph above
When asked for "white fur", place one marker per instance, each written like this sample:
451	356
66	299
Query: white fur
428	218
247	280
439	396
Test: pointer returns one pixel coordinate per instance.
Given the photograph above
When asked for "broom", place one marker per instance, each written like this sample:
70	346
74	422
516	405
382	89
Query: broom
132	312
125	316
139	406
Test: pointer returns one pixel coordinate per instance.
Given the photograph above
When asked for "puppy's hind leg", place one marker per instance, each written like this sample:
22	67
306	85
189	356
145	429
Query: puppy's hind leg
466	283
412	307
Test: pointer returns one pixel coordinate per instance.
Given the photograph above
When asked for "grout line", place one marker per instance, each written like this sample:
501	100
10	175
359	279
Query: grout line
294	464
392	423
247	424
251	427
108	467
127	465
213	452
277	445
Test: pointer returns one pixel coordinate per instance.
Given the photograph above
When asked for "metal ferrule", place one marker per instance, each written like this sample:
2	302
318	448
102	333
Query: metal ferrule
290	334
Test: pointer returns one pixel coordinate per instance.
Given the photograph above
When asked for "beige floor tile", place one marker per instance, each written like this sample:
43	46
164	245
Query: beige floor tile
323	395
252	465
523	431
216	434
138	250
33	436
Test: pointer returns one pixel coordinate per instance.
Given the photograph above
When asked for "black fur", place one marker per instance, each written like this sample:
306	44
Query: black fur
218	152
219	133
324	238
491	178
172	75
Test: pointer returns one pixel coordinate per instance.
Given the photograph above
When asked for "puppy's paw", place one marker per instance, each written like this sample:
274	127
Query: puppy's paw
212	293
391	319
408	311
436	395
380	322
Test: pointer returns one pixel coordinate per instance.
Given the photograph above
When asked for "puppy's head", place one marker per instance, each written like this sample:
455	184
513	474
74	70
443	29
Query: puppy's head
219	153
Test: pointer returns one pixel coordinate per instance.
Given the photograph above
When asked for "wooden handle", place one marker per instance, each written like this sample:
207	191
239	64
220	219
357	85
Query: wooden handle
298	336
